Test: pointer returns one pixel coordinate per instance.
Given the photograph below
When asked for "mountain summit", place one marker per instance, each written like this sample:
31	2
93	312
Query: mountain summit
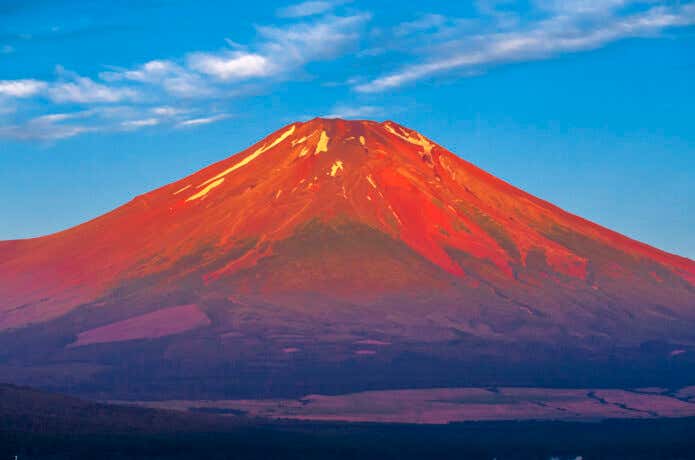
335	244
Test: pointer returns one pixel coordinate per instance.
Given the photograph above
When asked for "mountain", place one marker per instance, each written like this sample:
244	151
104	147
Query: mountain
337	255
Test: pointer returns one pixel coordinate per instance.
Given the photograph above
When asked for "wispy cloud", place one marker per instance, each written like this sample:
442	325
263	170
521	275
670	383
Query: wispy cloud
292	46
200	86
69	88
136	124
202	121
167	111
45	128
100	119
278	51
149	72
21	88
231	65
309	8
570	26
202	78
163	75
75	88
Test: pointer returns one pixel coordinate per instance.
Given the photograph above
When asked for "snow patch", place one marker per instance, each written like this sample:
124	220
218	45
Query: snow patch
362	141
304	151
298	141
396	215
182	189
205	191
322	144
370	179
251	157
419	139
337	166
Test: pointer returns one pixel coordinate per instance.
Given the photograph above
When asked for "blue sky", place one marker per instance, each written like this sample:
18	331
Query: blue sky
586	103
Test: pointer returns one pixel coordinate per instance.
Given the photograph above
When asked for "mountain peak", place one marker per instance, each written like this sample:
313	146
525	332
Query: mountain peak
320	147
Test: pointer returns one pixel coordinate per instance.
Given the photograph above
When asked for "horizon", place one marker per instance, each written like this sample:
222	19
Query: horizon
599	128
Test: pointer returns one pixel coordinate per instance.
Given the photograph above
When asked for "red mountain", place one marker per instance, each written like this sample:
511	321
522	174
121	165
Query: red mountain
337	244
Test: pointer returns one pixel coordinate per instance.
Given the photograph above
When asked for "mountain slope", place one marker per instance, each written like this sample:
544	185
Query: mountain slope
329	235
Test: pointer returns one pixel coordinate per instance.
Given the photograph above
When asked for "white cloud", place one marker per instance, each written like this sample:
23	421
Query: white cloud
234	45
149	72
230	65
309	8
167	111
583	6
21	88
201	121
205	79
546	38
135	124
166	75
62	125
45	128
312	41
6	49
153	92
84	90
188	85
277	53
56	117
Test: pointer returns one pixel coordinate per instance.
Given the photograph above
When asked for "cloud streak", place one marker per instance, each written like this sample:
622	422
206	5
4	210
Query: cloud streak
231	65
21	88
201	121
46	128
573	26
309	8
83	90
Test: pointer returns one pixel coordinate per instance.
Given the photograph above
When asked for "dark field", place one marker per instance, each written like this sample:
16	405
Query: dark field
663	439
38	425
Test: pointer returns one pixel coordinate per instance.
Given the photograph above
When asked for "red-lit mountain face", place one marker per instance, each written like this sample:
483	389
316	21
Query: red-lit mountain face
337	244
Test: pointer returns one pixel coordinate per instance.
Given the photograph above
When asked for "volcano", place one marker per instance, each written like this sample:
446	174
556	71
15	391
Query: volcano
338	255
